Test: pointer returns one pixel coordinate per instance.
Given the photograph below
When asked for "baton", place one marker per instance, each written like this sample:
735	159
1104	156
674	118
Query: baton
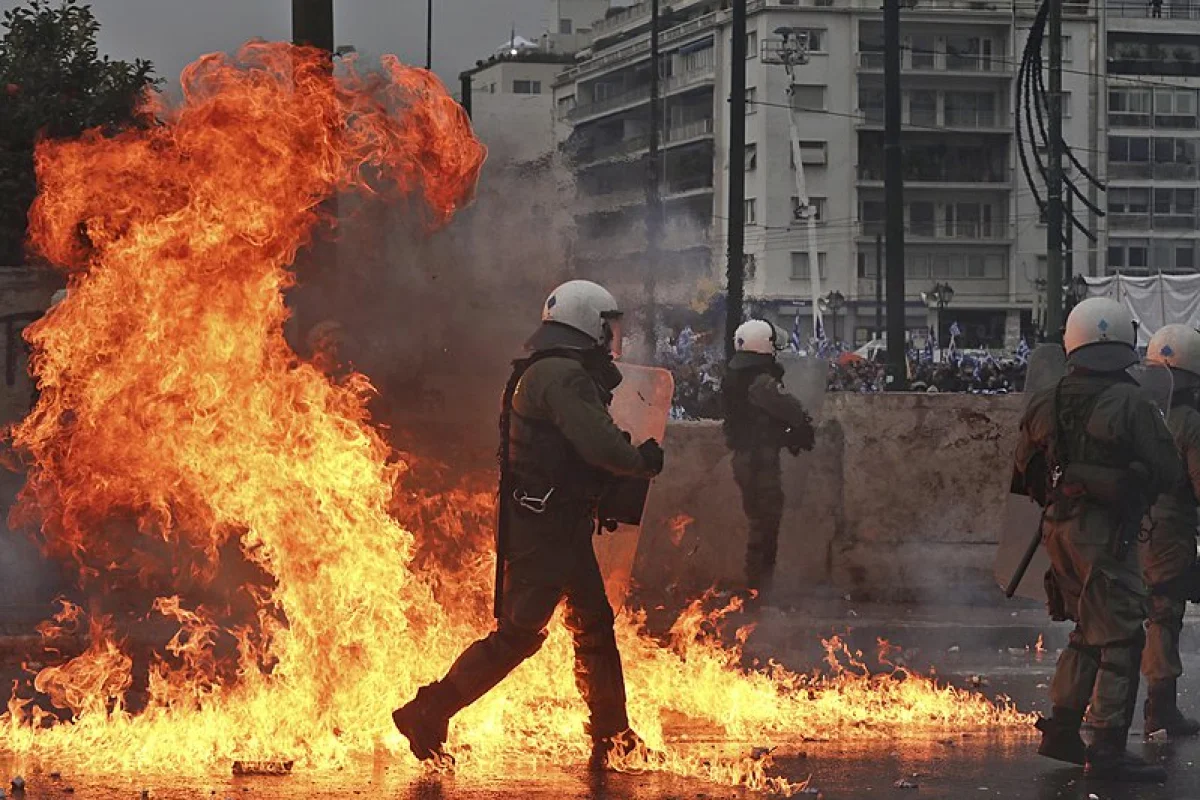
1026	560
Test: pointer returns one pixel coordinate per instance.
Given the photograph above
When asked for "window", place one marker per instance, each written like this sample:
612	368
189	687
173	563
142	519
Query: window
1130	108
871	214
1185	257
922	49
752	44
970	109
565	27
1129	200
1116	257
810	153
808	96
751	101
1175	108
1066	50
1066	105
800	270
922	108
968	53
816	39
870	102
491	88
751	153
566	104
1138	256
920	219
527	87
750	211
1118	148
815	204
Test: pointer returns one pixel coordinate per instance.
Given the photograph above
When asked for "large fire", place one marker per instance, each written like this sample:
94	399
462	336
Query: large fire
181	452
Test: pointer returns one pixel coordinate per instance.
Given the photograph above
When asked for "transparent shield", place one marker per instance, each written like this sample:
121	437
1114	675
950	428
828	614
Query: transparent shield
1022	516
641	406
806	378
1157	382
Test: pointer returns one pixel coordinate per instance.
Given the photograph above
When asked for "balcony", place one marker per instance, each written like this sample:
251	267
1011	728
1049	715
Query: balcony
938	175
942	64
1004	7
1146	221
673	135
640	95
1136	9
1141	170
942	232
635	51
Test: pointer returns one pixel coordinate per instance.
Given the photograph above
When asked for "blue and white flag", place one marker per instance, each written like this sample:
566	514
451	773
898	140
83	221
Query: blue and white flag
820	329
954	330
795	337
1023	350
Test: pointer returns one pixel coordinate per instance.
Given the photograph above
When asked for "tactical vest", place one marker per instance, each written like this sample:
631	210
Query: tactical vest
535	456
747	426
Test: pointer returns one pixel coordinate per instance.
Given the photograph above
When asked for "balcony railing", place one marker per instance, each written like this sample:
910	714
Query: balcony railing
1148	221
636	49
944	231
1139	9
641	94
934	173
672	134
1124	170
621	18
941	62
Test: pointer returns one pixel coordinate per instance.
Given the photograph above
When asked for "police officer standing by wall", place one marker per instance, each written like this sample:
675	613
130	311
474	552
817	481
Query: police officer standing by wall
559	450
1168	549
1095	452
761	418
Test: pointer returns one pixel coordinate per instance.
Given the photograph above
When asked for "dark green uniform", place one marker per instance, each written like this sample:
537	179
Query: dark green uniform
562	449
761	418
1116	455
1168	555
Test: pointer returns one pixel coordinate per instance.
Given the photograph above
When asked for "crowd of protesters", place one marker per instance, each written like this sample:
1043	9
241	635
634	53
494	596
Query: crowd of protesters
696	360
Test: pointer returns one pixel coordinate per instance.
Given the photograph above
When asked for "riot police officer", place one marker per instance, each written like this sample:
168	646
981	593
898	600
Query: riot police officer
1168	549
559	450
1095	451
761	418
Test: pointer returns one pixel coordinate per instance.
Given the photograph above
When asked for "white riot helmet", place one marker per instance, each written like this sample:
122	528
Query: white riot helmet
58	297
758	336
1101	336
1177	347
584	307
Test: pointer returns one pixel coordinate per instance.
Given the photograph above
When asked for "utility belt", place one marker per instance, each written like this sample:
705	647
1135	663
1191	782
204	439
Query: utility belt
1120	491
621	501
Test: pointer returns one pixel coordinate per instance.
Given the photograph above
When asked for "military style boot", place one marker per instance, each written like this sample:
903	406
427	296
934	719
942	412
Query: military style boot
425	720
609	749
1060	736
1107	759
1163	714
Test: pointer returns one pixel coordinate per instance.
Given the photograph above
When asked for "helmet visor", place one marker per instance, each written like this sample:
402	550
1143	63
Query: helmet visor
615	334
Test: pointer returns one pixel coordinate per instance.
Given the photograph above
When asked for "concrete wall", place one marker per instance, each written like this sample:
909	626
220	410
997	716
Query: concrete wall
901	499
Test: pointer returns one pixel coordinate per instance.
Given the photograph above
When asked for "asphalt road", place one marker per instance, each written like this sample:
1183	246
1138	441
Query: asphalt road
948	766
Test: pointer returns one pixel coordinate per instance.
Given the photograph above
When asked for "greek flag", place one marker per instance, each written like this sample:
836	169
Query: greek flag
794	340
820	329
954	330
1023	350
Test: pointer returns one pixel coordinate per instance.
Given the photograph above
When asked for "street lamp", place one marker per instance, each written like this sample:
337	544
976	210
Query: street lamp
938	298
831	304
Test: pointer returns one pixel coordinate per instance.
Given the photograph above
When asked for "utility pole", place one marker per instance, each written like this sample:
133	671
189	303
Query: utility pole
879	286
735	273
429	34
654	219
1054	184
897	379
312	24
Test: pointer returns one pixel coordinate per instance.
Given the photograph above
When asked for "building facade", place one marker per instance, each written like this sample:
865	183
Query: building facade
1130	83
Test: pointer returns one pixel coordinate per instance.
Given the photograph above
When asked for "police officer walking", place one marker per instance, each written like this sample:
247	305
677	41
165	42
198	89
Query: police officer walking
1096	453
761	418
1168	550
559	450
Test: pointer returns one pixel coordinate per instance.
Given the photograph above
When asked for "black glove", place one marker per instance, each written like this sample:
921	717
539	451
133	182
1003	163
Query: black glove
801	437
652	454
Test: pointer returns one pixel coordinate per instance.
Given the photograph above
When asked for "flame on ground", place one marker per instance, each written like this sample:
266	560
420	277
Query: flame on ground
181	452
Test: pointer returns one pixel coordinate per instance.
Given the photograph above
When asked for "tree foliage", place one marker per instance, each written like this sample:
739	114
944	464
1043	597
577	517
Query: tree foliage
54	83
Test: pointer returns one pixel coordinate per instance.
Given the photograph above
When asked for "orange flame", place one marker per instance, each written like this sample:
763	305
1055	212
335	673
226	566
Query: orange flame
176	426
678	526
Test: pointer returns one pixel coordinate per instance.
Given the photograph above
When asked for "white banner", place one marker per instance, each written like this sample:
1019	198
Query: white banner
1154	300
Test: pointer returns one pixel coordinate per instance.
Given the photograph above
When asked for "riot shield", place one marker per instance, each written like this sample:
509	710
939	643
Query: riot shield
1021	534
806	378
1158	384
640	406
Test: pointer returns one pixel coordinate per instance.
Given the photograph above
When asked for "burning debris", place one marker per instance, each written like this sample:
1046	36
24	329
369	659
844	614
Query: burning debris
179	441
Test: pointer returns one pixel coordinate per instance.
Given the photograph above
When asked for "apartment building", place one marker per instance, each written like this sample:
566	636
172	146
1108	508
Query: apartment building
1152	66
1130	87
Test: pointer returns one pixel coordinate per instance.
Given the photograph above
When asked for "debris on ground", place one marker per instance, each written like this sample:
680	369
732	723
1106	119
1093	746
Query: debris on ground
977	681
241	767
905	783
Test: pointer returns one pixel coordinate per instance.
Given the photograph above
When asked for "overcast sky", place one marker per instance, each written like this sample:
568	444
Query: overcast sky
172	33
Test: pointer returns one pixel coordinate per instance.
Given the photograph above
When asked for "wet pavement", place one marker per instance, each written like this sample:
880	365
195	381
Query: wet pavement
946	764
